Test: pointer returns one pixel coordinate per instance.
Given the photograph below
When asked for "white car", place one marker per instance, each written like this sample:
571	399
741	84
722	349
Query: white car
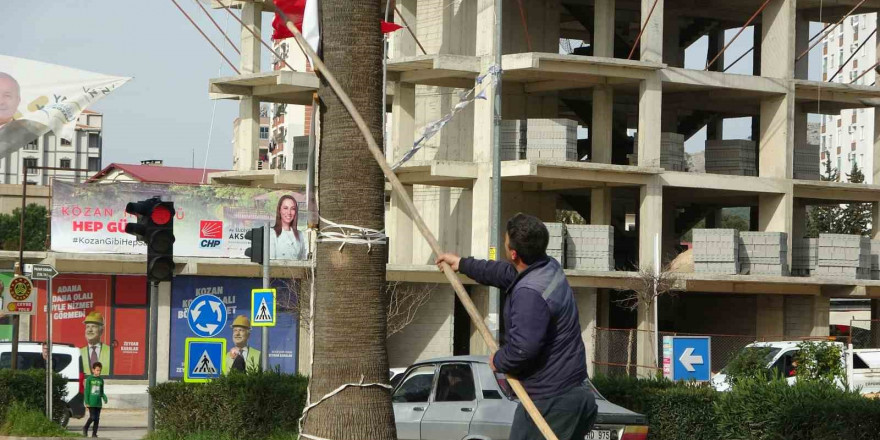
460	398
65	361
862	366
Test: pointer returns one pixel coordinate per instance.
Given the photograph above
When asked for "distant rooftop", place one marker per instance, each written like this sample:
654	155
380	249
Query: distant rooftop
156	174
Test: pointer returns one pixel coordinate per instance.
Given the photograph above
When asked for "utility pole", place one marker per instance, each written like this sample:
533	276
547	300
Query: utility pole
264	354
494	292
154	332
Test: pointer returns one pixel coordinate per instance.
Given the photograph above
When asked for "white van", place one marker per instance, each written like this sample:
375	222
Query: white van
65	361
862	366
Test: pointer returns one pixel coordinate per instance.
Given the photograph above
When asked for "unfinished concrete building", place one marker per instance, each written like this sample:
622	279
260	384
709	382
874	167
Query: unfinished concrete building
628	87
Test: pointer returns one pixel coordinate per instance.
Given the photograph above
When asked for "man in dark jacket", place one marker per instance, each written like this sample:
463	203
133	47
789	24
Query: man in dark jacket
542	344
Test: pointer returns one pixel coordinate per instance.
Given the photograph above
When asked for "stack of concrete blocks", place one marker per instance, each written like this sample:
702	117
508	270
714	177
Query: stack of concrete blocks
551	139
734	157
513	139
805	256
716	251
844	256
300	159
763	253
672	157
806	162
589	247
875	259
556	245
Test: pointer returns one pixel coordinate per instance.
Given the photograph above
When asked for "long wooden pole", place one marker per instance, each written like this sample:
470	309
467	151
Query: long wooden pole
462	294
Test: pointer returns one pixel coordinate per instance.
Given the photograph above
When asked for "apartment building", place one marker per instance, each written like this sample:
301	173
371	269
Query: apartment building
84	151
848	57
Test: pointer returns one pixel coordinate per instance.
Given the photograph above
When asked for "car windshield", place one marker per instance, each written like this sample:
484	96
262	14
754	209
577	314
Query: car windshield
749	355
35	360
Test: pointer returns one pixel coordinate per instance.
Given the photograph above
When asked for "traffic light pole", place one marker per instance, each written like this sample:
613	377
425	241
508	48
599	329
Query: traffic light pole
264	355
154	331
50	370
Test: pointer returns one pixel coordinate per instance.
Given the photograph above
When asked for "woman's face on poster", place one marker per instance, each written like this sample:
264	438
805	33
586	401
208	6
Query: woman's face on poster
288	211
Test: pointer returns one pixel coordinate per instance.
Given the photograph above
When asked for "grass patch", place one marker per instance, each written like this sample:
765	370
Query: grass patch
21	420
168	435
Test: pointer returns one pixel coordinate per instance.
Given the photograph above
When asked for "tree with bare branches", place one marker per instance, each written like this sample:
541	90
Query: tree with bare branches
642	290
404	302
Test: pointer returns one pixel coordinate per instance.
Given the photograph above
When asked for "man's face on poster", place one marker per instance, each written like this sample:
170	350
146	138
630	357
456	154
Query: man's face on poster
94	333
10	97
240	336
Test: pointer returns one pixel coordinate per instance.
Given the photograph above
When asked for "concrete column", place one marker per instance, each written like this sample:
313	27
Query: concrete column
402	43
482	150
400	228
775	212
586	304
875	322
650	109
799	220
600	129
400	224
778	39
802	42
650	225
247	140
716	43
876	158
806	316
600	206
603	29
163	354
770	322
651	44
480	296
673	53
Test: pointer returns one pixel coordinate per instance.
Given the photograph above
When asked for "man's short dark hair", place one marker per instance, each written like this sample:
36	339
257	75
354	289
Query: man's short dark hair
528	236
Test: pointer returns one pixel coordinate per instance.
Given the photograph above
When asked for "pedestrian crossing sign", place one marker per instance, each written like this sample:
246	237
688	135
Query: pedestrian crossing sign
204	359
263	307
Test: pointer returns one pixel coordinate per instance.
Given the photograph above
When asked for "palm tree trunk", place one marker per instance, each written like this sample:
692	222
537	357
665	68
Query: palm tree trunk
350	310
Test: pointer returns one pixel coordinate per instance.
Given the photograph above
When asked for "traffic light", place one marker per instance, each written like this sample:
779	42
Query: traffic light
255	252
155	227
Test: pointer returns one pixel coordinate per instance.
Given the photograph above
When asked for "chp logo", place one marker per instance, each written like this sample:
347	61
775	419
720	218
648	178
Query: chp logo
210	233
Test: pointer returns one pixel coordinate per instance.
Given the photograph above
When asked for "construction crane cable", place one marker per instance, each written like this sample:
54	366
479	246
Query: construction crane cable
206	37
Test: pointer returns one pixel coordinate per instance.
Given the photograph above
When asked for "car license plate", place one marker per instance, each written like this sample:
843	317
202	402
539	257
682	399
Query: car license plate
599	435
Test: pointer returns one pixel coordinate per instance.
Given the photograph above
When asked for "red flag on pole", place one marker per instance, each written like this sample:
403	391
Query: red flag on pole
304	14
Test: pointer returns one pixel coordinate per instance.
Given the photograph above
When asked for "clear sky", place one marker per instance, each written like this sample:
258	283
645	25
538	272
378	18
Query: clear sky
164	112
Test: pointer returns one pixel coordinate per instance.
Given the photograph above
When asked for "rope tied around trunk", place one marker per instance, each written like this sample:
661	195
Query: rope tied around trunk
341	388
348	234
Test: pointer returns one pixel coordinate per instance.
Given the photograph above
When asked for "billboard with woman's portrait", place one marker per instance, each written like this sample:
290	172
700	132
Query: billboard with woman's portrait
211	221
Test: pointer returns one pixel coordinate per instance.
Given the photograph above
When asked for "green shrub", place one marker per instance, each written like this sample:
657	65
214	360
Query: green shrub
819	361
22	420
675	410
28	388
262	403
683	413
806	410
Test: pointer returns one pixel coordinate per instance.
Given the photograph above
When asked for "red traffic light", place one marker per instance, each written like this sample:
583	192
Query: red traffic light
161	215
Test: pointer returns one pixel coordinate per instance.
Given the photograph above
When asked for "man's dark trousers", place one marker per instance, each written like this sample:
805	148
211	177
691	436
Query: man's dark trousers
570	415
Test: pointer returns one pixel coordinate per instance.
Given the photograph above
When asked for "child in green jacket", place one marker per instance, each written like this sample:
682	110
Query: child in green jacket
94	395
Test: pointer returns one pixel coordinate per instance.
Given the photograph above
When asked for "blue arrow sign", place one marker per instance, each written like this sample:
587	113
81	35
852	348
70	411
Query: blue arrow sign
204	359
206	316
263	307
691	358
